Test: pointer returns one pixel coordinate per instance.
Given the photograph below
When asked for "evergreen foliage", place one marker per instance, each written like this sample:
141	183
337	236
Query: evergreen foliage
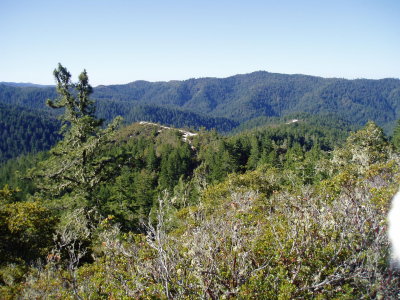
281	210
77	163
244	97
396	135
226	103
14	171
24	131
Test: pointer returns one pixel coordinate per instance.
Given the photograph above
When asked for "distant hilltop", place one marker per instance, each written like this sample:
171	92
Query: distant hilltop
226	103
25	84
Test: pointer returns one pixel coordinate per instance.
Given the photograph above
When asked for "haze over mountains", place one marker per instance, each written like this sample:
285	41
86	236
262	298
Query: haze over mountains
226	103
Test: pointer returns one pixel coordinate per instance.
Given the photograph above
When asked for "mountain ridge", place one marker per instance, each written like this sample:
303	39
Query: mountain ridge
238	98
26	84
244	74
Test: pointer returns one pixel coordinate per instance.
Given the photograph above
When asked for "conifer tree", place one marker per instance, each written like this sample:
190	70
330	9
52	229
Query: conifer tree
254	153
396	136
77	163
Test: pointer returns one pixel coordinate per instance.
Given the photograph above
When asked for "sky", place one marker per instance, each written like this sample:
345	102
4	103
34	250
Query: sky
120	41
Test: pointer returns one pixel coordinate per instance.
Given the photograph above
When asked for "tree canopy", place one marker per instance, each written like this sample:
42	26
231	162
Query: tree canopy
287	210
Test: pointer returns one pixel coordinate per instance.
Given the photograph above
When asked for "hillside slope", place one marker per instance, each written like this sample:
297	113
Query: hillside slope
23	131
236	99
244	97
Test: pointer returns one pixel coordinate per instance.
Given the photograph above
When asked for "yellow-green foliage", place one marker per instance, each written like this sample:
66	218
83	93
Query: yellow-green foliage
264	182
257	235
26	230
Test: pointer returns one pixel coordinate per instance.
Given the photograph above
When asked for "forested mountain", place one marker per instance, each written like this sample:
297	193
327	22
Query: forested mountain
23	131
223	103
35	98
167	116
243	97
26	97
288	210
25	84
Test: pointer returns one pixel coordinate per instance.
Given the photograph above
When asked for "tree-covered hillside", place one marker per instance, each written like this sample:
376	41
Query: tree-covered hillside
27	97
24	131
225	102
293	210
243	97
167	116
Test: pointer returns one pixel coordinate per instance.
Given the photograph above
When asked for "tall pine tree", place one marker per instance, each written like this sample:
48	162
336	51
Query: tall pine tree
77	164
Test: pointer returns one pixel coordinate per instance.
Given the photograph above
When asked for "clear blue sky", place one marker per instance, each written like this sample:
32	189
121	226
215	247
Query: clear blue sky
121	41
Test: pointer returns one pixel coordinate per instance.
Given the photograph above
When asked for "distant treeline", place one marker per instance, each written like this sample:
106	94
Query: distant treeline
235	103
23	131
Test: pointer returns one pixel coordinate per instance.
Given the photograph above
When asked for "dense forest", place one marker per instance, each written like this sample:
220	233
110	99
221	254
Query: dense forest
238	98
243	97
228	104
23	131
280	209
